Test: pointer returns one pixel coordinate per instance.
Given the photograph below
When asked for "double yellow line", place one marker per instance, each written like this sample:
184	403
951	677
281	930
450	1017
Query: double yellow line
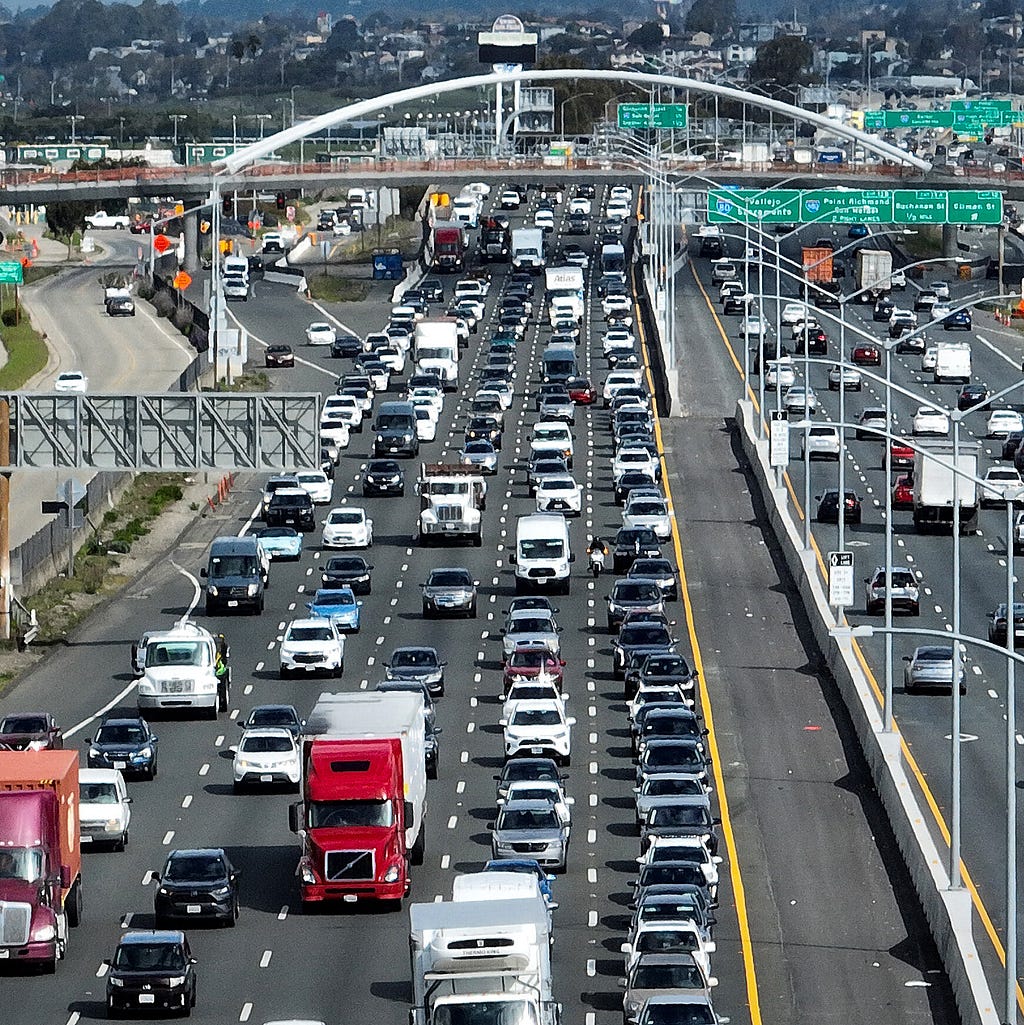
739	891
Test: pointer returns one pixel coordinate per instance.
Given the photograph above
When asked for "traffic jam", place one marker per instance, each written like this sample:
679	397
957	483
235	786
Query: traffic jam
497	435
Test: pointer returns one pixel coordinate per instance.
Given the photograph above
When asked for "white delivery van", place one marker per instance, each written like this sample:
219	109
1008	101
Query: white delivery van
542	555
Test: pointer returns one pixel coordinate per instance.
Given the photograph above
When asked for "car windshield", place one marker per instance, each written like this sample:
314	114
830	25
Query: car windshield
98	793
636	592
392	421
194	868
644	633
684	755
311	633
666	941
527	818
664	976
531	660
343	814
550	434
120	734
669	911
672	787
540	548
266	745
518	770
416	658
679	815
271	717
536	717
530	625
934	654
330	599
662	666
345	517
449	578
678	1014
268	533
345	565
489	1012
23	724
233	565
148	957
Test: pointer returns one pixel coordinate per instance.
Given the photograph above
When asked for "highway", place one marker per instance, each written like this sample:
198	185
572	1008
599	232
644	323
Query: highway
923	718
817	920
118	354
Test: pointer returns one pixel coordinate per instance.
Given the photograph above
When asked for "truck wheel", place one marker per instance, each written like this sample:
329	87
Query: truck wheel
223	698
432	769
75	906
122	844
478	540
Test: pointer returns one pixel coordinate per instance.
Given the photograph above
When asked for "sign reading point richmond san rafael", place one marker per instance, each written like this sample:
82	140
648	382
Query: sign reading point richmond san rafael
854	206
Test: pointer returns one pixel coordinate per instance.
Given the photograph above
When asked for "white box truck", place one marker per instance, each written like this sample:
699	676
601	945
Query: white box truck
436	347
542	555
481	962
564	289
874	272
952	363
364	797
528	249
933	485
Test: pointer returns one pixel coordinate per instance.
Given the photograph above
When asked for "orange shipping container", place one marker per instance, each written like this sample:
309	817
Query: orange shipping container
817	261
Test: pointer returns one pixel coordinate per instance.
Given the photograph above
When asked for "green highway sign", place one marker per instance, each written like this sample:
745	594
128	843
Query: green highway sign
11	273
964	116
854	206
652	115
979	106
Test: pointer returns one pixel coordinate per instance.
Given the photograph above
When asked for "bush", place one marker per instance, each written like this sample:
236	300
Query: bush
9	318
163	304
145	290
181	318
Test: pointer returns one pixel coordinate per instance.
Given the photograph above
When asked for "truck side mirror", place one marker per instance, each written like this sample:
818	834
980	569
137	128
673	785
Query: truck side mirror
203	573
410	814
294	820
511	558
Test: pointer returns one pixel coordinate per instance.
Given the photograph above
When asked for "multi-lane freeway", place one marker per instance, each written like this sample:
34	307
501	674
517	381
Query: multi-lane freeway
817	921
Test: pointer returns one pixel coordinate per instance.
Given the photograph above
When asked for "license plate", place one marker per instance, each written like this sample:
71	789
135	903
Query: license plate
450	526
194	909
232	604
120	765
266	778
536	750
147	998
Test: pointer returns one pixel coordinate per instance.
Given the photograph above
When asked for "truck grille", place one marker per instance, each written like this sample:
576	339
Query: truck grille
339	865
449	512
15	920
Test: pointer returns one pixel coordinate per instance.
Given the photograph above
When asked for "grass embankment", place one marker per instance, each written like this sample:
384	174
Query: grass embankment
927	243
26	349
331	289
59	604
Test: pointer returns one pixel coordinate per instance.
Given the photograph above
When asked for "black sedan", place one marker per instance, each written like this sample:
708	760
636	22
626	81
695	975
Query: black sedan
670	670
348	571
281	716
636	641
971	395
280	356
346	345
383	477
484	428
828	507
197	884
632	543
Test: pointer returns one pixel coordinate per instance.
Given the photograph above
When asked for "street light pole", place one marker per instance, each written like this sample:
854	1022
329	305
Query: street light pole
1010	974
954	740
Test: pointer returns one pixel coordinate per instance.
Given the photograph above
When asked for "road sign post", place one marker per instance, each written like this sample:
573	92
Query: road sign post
778	444
840	578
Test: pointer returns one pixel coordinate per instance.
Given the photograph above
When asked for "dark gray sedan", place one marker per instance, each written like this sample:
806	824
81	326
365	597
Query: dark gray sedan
450	590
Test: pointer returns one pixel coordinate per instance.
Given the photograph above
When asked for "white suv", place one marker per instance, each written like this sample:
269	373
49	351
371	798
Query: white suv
539	728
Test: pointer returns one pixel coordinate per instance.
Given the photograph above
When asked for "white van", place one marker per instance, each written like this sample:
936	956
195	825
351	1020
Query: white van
466	210
235	267
542	555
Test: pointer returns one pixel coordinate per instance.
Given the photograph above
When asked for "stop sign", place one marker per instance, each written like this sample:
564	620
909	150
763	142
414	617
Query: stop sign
161	243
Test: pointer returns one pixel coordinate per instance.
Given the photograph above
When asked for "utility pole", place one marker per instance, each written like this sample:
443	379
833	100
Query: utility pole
5	521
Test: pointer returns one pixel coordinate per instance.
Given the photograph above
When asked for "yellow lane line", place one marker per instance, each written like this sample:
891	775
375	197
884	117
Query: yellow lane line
979	904
739	891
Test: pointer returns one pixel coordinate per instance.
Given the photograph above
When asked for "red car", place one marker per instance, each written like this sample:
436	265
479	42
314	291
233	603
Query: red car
30	731
902	455
867	355
529	663
581	391
903	492
140	227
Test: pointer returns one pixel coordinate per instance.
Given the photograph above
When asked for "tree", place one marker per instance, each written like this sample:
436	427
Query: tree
648	35
785	59
715	17
66	217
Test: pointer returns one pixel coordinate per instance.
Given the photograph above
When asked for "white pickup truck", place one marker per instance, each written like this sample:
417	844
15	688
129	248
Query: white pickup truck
101	219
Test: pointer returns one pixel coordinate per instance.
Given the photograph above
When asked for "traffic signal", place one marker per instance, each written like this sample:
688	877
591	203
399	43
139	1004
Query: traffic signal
281	201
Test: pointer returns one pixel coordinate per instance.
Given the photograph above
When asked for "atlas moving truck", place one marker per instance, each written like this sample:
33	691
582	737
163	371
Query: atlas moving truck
436	347
934	485
448	246
482	962
564	284
874	273
952	363
528	250
40	844
364	797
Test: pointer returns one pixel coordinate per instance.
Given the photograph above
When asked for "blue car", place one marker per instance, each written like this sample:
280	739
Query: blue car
527	866
338	604
958	320
280	542
857	231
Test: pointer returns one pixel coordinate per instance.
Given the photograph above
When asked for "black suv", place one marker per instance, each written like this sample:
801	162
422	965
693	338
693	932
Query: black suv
383	477
291	507
346	345
151	971
126	743
197	884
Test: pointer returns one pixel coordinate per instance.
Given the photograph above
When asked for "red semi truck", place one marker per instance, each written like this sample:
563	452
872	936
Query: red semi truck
40	855
449	244
364	788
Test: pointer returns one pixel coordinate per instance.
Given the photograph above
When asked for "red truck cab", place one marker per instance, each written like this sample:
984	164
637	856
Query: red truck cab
40	855
352	821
